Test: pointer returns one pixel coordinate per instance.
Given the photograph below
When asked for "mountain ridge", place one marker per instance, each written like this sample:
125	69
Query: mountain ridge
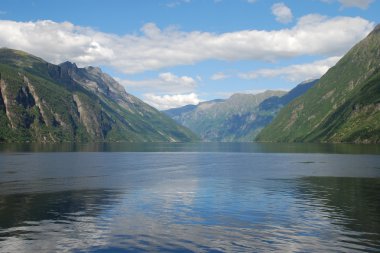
44	102
343	107
231	119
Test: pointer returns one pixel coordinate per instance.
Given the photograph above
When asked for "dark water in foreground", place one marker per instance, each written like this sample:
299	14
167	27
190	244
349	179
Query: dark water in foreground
190	198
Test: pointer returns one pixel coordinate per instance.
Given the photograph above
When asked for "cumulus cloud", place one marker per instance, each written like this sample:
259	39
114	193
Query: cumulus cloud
165	82
282	13
295	73
155	48
170	101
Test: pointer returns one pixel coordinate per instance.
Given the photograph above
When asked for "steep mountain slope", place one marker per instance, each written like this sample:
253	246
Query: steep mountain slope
240	123
273	103
43	102
252	123
224	120
343	107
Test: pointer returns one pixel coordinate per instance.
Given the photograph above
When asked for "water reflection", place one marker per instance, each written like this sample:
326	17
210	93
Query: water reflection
193	147
16	209
188	202
56	221
353	203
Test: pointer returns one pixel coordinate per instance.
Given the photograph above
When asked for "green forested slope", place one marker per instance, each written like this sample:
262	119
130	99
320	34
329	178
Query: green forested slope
239	118
344	106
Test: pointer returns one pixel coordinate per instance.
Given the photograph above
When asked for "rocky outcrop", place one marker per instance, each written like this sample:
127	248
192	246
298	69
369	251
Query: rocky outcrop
37	101
6	102
88	118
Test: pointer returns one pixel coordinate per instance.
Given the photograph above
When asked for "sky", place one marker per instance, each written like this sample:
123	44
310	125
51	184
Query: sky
171	53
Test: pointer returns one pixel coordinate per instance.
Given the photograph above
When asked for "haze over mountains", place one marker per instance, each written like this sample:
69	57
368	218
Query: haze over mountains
43	102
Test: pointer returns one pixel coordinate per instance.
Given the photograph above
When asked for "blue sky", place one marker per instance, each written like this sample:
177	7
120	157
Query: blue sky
175	52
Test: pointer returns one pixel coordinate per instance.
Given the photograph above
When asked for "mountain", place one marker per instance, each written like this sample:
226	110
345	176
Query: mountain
275	103
239	118
344	106
176	113
233	119
43	102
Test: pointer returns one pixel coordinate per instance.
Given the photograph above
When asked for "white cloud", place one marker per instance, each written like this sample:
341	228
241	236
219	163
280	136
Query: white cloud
295	73
219	76
282	13
155	48
170	101
165	82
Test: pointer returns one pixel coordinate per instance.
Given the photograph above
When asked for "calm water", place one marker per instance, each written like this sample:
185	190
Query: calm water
189	198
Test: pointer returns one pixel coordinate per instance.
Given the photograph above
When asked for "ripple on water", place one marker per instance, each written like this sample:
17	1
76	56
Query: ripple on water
195	202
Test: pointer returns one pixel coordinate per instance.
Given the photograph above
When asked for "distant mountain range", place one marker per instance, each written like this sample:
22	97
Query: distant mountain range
344	106
43	102
239	118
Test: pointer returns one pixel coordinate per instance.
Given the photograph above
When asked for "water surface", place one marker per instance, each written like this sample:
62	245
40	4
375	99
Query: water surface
189	198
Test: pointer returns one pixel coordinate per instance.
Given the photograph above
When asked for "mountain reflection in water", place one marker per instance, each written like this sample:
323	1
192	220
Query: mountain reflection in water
189	202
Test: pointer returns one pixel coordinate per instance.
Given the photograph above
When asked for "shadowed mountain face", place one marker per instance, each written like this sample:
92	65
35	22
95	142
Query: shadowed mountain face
239	118
43	102
276	102
343	107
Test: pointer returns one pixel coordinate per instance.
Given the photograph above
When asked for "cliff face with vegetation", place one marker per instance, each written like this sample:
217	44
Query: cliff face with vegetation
343	107
43	102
